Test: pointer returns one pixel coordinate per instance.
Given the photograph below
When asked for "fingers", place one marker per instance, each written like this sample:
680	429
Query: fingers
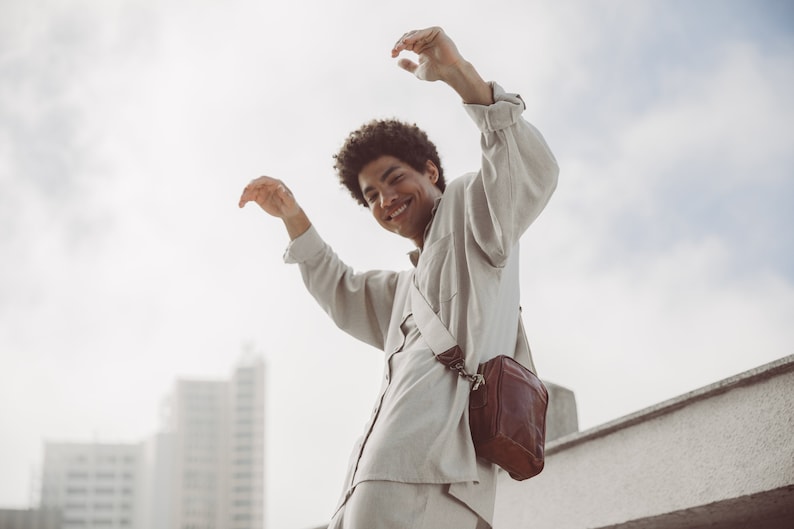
259	188
401	43
416	40
408	65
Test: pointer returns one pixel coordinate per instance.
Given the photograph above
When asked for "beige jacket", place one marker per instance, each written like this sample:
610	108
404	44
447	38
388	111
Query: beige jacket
468	272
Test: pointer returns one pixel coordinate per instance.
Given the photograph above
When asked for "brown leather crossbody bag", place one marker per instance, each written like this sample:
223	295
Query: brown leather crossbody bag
507	403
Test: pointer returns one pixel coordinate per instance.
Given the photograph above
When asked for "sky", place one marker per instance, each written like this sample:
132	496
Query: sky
663	263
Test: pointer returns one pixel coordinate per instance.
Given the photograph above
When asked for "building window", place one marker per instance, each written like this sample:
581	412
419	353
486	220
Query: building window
76	490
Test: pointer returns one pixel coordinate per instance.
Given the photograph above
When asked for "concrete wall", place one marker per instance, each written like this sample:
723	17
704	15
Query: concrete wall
561	416
718	456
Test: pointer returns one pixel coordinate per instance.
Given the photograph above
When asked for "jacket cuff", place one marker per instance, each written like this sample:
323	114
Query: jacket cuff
304	247
505	111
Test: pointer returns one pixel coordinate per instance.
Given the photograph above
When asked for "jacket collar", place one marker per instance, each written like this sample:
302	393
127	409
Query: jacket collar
416	253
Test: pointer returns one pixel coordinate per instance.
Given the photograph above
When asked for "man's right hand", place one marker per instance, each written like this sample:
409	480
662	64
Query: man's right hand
276	199
271	195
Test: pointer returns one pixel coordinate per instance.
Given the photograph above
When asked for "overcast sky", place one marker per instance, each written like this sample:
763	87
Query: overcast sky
663	263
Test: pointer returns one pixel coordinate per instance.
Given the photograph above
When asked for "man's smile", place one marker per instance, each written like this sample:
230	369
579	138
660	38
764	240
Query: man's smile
398	211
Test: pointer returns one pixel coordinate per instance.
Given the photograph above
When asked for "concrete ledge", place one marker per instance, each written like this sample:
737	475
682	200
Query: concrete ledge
769	510
724	449
781	365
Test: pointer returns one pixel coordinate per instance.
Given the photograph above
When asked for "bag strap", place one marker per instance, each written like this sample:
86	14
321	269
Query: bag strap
444	346
430	325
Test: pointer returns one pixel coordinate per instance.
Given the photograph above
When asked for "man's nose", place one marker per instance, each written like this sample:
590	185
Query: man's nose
387	196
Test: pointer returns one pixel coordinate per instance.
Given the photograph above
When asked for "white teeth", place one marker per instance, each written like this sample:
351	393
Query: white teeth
398	211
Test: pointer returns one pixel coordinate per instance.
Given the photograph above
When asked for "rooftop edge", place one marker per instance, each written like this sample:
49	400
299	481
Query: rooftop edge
766	371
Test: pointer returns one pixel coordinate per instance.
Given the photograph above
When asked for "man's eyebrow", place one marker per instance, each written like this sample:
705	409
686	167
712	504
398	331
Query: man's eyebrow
383	177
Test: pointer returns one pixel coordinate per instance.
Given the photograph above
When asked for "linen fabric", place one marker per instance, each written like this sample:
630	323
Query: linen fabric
411	506
468	272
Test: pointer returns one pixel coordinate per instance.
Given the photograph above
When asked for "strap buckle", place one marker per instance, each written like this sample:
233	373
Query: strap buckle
476	380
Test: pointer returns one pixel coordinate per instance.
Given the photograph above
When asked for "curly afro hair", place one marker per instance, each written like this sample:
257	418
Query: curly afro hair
379	138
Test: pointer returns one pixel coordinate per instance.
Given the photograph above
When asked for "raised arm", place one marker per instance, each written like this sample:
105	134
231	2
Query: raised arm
359	303
440	60
519	172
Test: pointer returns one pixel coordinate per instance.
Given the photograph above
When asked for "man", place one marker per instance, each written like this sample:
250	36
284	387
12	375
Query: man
415	466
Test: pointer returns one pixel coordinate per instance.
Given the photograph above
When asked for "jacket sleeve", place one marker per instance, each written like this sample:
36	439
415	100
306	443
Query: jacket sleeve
359	303
517	178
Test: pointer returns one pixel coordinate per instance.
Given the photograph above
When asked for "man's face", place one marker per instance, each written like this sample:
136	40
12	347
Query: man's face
400	197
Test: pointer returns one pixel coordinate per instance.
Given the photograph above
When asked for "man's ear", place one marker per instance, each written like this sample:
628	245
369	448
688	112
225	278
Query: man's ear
431	170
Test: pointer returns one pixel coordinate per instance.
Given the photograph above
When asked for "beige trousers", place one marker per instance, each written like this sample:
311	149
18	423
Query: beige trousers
392	505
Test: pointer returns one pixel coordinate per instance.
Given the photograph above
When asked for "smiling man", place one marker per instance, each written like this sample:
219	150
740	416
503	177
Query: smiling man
415	466
401	198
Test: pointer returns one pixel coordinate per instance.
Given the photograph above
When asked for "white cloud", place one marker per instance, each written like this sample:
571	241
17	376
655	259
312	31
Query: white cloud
651	272
647	328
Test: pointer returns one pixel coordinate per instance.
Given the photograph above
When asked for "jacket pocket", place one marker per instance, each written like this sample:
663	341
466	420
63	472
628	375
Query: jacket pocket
437	272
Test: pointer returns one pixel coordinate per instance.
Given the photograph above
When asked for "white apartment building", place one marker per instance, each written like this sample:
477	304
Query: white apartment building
205	470
217	447
247	448
93	485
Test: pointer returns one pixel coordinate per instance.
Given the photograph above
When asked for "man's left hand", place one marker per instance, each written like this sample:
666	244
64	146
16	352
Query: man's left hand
438	55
